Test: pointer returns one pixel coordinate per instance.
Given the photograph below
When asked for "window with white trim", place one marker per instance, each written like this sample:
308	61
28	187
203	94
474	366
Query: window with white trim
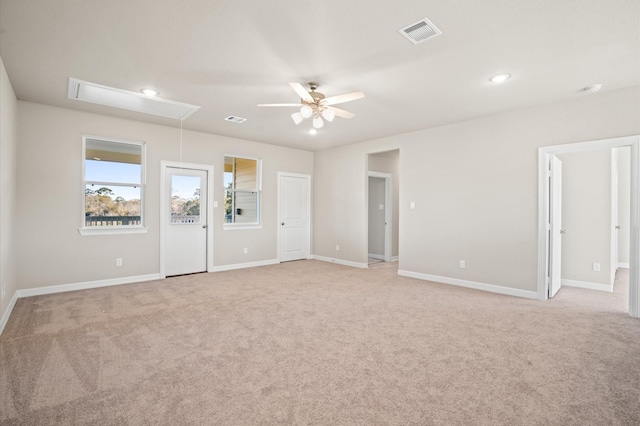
113	184
242	185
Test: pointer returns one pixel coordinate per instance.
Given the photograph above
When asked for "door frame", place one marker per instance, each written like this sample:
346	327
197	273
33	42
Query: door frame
164	165
388	212
544	155
309	212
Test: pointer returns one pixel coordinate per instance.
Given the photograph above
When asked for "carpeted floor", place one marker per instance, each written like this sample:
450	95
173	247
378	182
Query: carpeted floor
316	343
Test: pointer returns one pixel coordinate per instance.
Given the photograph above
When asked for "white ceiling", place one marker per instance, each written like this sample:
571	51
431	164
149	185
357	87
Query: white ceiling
228	56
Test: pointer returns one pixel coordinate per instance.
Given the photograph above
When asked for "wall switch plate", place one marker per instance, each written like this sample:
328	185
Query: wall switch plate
245	250
463	264
380	206
119	261
412	205
215	204
337	247
596	266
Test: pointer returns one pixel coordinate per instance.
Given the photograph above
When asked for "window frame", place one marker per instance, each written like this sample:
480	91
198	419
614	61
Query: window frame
258	190
85	230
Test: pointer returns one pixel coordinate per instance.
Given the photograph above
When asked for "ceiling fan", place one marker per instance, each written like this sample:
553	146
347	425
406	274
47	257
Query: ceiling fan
314	104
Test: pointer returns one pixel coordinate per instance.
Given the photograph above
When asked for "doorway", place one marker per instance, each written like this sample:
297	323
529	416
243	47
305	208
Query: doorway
186	238
382	206
294	230
546	222
380	217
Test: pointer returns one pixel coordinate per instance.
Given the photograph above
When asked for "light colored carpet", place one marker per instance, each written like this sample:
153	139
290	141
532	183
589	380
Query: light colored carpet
315	343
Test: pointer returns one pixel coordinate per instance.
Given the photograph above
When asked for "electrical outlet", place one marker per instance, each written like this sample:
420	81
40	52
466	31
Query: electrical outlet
463	264
337	247
245	250
119	261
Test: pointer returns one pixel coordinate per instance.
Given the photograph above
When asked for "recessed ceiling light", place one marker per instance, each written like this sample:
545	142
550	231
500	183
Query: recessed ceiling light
149	92
593	88
500	78
235	119
313	132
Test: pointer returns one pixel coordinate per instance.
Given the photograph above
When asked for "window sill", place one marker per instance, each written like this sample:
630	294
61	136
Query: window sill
239	226
113	230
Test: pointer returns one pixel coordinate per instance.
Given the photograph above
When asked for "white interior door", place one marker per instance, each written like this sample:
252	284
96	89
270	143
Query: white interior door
186	221
555	215
293	216
614	214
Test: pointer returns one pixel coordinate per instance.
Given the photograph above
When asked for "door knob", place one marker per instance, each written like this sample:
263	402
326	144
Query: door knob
282	223
562	231
204	226
617	226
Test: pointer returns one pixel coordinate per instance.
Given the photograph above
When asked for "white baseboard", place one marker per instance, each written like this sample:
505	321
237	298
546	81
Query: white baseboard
340	262
623	265
376	256
587	285
39	291
471	284
394	258
244	265
7	313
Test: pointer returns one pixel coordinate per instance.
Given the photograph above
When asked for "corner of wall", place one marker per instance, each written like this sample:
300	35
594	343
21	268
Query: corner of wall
8	177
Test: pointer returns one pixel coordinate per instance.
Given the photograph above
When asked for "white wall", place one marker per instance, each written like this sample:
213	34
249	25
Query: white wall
586	216
8	152
50	196
474	185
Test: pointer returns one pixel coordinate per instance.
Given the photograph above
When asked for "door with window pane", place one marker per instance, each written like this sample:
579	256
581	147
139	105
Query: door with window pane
186	221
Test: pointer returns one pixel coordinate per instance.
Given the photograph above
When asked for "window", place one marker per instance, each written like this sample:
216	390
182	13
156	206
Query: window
113	185
242	190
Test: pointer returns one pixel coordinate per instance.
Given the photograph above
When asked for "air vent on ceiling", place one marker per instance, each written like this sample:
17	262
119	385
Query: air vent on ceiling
235	119
133	101
420	31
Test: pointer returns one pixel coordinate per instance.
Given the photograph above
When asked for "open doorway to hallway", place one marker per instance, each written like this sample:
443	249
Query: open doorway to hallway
595	199
383	205
547	229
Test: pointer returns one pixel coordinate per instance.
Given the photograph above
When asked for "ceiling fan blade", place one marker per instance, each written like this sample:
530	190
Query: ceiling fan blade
343	98
301	91
279	105
342	113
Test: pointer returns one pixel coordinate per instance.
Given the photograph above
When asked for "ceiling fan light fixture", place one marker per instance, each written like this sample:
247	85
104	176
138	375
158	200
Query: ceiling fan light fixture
313	132
317	122
306	111
328	114
297	117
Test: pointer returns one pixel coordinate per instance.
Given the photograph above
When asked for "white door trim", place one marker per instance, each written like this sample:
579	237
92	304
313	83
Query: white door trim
388	212
163	212
544	154
309	211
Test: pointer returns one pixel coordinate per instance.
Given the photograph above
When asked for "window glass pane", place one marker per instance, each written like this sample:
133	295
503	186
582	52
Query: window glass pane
241	207
107	171
109	161
245	174
112	205
185	199
241	183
